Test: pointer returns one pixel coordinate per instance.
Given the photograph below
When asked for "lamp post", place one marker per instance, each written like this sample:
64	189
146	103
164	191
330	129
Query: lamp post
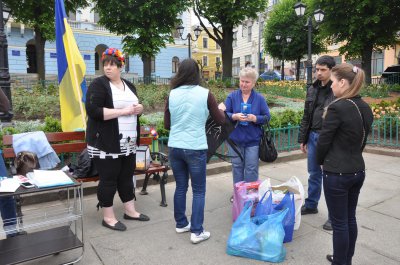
300	8
4	73
197	32
278	37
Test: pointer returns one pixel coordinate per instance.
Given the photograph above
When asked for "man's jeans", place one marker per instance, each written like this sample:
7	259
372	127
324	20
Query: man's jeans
314	171
7	205
341	195
184	162
246	169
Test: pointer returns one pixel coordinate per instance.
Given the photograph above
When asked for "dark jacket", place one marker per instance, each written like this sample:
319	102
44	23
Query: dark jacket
340	143
309	106
100	133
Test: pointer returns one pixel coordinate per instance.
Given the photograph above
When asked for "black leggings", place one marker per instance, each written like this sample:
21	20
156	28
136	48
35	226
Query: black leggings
115	174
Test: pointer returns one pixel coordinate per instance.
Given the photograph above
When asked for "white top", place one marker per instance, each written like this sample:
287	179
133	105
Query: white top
126	124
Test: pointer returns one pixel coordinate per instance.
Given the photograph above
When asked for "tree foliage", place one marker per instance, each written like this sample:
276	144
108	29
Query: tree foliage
284	21
223	16
39	15
146	25
361	26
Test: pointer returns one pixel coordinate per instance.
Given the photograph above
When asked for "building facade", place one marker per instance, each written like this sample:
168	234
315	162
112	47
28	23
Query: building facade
92	40
207	53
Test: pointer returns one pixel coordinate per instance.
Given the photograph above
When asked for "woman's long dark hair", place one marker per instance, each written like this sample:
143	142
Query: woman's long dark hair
188	74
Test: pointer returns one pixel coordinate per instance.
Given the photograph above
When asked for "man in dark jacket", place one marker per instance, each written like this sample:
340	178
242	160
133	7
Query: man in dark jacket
319	95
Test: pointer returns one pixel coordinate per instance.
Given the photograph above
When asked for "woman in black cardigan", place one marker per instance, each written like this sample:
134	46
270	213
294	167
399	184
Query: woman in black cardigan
347	122
112	136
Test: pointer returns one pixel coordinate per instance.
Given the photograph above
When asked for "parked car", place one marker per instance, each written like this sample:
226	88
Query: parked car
391	75
274	75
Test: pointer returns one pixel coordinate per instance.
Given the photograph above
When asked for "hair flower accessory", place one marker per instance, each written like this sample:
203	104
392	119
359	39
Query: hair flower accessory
114	52
355	69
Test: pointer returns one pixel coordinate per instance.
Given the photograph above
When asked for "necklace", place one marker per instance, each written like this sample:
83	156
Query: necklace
119	85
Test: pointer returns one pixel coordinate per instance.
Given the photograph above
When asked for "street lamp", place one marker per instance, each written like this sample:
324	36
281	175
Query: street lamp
4	73
197	32
278	37
300	9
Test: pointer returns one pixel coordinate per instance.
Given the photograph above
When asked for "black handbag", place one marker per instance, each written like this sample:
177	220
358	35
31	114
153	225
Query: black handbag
267	150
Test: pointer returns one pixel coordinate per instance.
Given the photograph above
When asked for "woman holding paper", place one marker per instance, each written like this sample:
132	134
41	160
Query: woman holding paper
251	111
112	136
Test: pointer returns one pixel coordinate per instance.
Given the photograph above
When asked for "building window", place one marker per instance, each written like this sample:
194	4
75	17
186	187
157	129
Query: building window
153	64
217	59
205	43
377	63
205	61
127	65
234	42
249	28
175	64
338	59
96	61
217	46
235	66
247	59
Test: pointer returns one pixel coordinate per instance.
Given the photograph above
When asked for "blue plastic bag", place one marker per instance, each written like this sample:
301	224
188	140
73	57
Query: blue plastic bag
261	239
266	207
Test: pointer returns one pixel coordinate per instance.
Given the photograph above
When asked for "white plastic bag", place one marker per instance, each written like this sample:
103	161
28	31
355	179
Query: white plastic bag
294	185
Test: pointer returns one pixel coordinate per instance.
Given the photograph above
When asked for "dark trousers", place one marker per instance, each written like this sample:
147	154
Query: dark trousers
341	195
115	175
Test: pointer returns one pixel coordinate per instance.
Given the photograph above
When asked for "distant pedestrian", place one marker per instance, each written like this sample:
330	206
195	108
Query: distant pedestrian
319	95
186	112
347	123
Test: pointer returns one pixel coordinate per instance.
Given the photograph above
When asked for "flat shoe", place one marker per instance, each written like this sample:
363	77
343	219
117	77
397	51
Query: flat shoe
118	226
142	217
329	258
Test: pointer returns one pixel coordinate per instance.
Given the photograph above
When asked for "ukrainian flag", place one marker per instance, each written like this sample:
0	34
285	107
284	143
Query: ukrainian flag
71	74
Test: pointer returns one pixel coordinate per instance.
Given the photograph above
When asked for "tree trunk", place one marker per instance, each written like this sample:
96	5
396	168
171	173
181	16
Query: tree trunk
227	52
366	61
39	47
146	69
298	68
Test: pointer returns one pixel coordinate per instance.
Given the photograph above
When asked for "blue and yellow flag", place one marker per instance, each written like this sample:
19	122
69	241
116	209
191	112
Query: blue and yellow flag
71	74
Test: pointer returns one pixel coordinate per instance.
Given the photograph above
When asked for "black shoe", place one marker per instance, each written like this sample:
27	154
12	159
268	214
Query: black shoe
305	210
118	226
142	217
329	258
328	225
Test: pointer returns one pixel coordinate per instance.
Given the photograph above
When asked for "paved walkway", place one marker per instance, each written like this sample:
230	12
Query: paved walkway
155	242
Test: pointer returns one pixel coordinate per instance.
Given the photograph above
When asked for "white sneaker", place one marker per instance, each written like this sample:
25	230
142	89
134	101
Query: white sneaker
198	238
183	229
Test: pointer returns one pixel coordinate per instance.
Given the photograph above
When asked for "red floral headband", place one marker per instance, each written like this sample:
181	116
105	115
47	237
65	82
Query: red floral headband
114	52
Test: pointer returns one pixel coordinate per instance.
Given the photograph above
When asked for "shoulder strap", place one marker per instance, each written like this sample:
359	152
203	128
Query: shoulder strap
362	119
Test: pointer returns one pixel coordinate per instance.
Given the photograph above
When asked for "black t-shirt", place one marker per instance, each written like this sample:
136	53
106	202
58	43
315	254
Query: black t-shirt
323	93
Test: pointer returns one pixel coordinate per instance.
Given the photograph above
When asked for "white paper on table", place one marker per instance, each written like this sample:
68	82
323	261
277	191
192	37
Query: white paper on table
9	185
49	178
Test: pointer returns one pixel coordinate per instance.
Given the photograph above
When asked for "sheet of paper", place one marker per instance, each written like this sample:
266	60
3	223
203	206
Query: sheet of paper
49	178
9	185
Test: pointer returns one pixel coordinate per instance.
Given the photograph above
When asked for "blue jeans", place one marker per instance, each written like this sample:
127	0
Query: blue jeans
184	162
247	169
7	205
341	195
314	171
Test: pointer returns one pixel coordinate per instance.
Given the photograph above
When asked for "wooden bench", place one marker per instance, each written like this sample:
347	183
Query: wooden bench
74	143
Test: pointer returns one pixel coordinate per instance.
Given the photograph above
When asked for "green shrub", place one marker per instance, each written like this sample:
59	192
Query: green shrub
35	103
52	125
375	91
